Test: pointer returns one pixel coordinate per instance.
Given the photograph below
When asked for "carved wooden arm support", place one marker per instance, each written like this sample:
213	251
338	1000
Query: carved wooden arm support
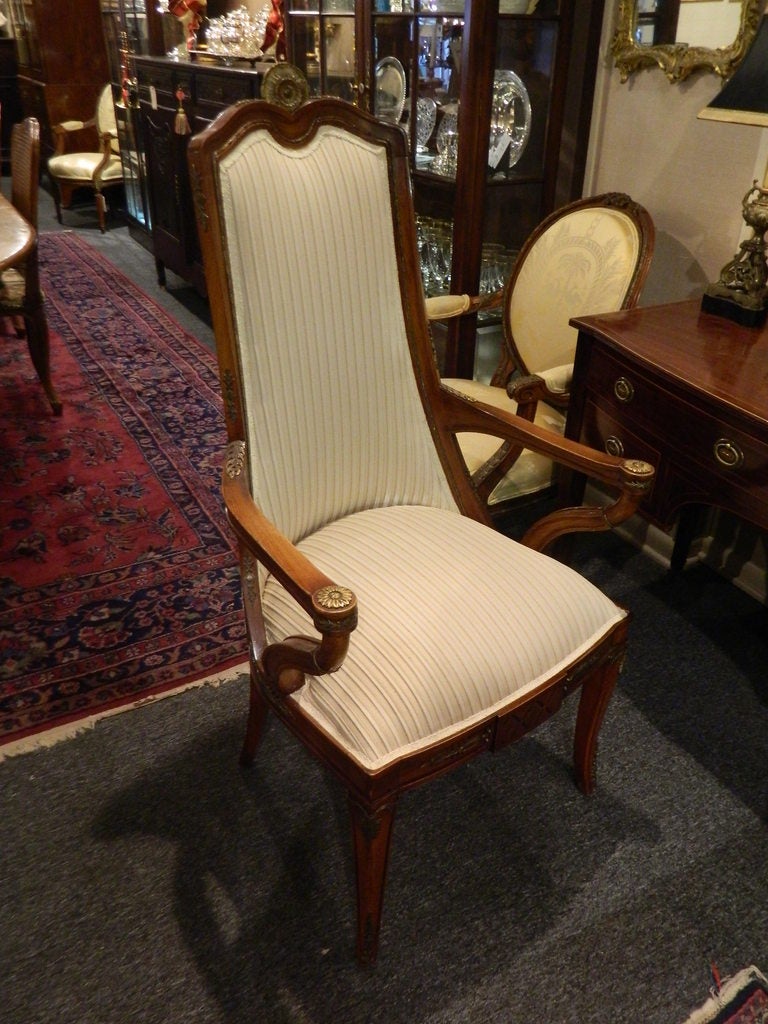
529	391
333	608
632	478
65	129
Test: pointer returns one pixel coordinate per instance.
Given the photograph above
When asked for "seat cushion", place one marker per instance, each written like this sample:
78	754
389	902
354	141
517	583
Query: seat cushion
455	621
82	167
532	472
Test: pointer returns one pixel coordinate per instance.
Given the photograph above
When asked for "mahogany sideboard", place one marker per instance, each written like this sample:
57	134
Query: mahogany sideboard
686	391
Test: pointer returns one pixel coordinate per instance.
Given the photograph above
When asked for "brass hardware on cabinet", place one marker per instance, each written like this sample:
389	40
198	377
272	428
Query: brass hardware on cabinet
728	453
613	445
624	389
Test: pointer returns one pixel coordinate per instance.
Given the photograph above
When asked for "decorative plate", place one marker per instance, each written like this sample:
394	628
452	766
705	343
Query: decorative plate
389	95
510	118
285	85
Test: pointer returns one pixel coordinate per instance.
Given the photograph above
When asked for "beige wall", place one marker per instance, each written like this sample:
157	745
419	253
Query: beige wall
690	174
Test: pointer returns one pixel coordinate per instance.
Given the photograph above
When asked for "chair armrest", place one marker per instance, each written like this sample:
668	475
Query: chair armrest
333	608
63	131
446	307
551	386
632	478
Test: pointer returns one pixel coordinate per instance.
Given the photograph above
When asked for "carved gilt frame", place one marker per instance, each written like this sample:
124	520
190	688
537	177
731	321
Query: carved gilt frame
678	60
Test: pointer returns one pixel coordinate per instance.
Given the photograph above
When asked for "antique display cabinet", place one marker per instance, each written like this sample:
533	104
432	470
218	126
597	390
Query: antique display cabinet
62	62
174	95
10	100
495	96
131	29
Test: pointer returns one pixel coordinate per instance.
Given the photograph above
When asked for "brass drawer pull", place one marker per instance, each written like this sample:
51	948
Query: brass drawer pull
624	389
728	453
613	445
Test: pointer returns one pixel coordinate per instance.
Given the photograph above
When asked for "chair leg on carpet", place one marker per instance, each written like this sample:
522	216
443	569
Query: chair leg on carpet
257	716
595	695
39	351
372	833
101	207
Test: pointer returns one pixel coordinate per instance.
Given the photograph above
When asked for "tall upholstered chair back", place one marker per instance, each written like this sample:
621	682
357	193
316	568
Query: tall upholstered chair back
393	635
106	122
320	278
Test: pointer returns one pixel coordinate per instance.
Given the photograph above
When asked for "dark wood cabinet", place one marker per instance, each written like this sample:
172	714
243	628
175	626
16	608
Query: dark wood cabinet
457	58
10	99
205	90
685	391
62	62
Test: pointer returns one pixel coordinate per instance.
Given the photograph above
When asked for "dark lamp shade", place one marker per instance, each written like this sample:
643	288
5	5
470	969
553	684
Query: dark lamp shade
744	97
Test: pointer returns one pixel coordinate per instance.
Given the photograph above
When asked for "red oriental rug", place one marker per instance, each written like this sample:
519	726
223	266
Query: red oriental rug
118	574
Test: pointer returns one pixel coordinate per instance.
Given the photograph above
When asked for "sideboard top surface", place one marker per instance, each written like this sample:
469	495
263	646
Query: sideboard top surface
726	362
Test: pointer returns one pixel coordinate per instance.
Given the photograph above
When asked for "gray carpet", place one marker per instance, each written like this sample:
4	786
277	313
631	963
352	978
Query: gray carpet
146	877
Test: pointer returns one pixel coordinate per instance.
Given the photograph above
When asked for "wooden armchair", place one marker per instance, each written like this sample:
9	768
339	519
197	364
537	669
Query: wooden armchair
21	298
591	256
391	629
71	167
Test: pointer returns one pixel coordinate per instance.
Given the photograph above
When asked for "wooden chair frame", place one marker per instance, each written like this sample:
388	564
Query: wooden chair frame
22	298
279	669
67	135
513	372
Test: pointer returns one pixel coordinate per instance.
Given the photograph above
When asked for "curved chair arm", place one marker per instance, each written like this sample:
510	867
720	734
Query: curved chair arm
446	307
333	608
65	129
528	391
632	478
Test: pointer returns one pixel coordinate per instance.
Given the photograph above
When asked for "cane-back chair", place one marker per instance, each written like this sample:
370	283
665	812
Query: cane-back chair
72	166
392	629
591	256
21	298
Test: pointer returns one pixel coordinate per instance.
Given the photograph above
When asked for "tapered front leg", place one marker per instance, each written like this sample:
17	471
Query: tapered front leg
595	696
254	730
372	832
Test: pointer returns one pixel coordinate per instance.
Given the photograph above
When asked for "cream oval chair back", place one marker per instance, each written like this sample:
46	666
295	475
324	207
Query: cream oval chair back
591	256
72	167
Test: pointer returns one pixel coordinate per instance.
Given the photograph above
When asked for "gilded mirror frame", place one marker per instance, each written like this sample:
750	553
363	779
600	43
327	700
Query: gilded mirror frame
678	60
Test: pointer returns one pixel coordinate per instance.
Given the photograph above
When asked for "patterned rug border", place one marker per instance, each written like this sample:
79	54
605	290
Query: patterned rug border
183	350
34	742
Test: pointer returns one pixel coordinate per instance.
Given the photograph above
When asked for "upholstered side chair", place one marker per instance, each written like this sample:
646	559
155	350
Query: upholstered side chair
591	256
21	297
392	629
71	167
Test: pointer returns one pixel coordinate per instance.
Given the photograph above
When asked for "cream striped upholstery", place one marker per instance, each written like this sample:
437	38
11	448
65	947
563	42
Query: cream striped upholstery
342	460
352	397
422	663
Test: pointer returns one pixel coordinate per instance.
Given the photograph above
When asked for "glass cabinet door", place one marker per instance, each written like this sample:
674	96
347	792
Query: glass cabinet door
128	31
23	19
480	91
